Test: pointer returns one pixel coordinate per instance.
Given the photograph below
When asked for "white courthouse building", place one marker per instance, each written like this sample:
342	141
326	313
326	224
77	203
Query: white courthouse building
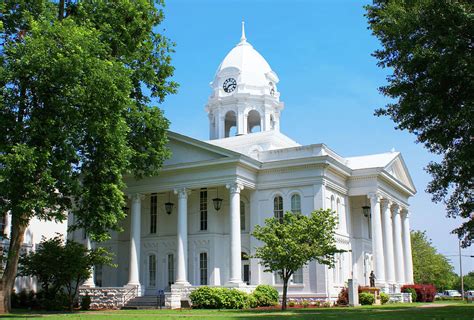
191	225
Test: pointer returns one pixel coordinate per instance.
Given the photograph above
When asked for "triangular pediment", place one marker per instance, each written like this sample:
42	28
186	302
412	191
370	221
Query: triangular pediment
186	150
398	169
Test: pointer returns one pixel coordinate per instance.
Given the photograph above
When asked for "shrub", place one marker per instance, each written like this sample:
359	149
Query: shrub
343	297
366	298
412	291
86	302
265	295
205	298
232	298
424	292
14	299
220	298
326	304
291	304
305	304
251	301
384	298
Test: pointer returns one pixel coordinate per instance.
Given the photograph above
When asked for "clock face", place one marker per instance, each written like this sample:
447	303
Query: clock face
229	85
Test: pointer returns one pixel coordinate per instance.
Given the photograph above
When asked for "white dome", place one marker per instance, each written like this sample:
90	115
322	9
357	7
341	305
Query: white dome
254	70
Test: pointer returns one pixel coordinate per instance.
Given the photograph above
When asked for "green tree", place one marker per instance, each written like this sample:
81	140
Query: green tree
429	266
77	80
468	282
427	46
296	240
73	264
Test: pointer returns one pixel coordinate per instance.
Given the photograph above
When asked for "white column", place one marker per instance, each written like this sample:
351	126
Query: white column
407	254
377	240
90	281
135	235
388	242
398	248
235	245
182	243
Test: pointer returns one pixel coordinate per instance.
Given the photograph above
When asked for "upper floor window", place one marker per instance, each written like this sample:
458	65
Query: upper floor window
296	203
278	208
242	215
153	212
203	268
203	209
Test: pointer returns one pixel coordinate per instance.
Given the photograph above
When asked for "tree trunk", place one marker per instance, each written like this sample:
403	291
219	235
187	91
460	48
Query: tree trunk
61	10
8	280
285	289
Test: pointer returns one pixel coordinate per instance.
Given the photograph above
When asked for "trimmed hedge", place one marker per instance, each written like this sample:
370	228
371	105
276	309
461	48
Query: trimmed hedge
366	298
424	292
226	298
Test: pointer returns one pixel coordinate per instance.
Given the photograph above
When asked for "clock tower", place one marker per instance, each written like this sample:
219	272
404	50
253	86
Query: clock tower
244	97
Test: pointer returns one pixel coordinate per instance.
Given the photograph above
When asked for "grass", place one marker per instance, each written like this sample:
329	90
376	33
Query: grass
415	311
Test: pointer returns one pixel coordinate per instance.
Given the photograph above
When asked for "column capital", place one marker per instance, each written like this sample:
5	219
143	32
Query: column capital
182	192
405	213
136	196
397	208
386	203
374	196
234	187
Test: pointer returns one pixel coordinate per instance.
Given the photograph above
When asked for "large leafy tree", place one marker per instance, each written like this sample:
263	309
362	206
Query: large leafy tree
429	266
427	45
77	80
296	240
73	264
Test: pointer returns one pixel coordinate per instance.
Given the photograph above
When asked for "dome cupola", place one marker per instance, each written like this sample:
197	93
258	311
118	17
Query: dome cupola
244	96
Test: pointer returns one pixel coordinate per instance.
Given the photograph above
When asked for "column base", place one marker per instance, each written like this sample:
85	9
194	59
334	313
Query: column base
235	284
135	285
180	284
89	284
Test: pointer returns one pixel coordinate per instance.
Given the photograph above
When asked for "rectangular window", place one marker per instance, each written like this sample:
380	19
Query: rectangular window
203	268
278	278
3	225
298	276
170	269
242	215
203	208
153	212
98	275
151	270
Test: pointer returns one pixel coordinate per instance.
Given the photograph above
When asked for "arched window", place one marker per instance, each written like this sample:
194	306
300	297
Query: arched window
230	124
296	203
272	122
242	215
333	204
278	208
152	270
253	121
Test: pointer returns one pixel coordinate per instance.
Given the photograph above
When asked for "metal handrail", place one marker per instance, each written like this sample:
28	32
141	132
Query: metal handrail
132	293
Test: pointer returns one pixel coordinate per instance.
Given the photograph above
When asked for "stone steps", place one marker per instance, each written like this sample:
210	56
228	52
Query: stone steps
144	302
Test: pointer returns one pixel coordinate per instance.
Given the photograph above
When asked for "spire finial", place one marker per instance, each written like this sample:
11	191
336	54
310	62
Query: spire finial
243	38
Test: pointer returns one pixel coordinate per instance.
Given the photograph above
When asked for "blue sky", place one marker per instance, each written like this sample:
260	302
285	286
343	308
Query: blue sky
321	51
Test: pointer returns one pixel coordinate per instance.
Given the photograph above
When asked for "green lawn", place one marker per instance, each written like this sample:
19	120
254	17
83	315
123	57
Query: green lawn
415	311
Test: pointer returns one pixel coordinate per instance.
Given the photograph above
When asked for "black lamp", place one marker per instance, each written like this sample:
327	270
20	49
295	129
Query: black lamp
366	211
169	205
217	201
